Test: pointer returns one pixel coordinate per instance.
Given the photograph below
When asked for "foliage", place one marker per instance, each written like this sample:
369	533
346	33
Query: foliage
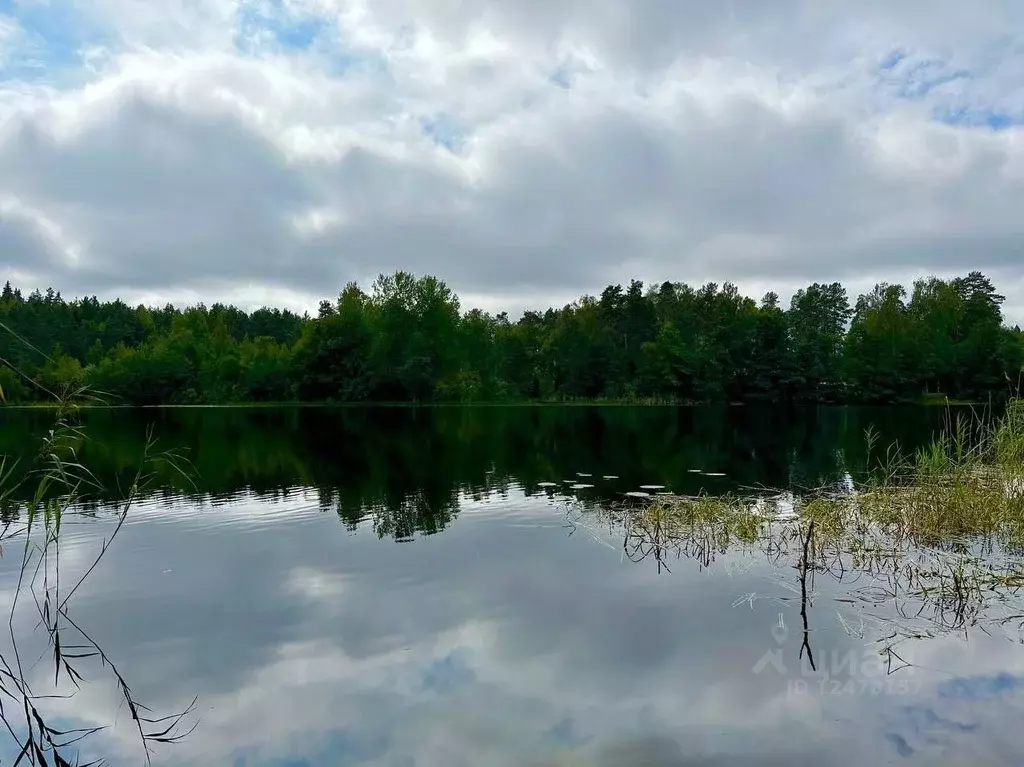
408	340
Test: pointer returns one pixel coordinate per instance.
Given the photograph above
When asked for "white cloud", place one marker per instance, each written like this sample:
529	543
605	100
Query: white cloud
523	152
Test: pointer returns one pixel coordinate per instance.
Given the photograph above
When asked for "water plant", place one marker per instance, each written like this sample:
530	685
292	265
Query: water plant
930	542
37	502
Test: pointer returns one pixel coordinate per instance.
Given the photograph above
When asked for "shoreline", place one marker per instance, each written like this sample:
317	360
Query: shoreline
923	402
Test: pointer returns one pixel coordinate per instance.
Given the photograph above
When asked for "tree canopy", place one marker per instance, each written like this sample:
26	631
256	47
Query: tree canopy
408	339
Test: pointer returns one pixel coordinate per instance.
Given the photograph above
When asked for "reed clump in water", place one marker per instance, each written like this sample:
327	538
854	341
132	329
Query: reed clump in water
968	483
40	623
939	534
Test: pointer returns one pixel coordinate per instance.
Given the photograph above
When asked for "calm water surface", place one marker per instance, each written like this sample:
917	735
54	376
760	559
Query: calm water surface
393	587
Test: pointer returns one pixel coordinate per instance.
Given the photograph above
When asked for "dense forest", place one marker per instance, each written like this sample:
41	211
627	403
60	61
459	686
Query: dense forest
408	340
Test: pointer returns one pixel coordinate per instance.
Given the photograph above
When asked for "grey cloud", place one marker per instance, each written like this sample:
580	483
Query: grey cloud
168	191
164	197
795	34
157	194
25	247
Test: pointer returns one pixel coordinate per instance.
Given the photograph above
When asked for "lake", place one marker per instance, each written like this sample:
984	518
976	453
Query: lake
443	587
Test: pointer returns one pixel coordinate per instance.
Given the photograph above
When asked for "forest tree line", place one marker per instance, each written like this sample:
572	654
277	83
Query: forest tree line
407	339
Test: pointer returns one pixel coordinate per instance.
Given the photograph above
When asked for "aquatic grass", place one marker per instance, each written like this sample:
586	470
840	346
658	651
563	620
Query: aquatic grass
894	587
61	484
927	543
55	487
967	482
657	526
1008	439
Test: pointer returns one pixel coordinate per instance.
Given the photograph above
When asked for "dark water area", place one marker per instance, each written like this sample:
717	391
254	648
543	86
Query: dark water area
397	588
420	461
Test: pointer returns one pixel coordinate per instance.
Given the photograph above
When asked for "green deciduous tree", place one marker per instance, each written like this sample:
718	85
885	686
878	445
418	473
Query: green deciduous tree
408	339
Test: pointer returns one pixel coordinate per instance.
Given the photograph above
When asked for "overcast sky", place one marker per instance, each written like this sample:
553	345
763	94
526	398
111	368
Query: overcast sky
268	151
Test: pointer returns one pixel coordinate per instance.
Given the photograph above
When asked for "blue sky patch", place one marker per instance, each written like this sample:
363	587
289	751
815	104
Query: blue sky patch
55	36
913	77
966	89
446	131
562	76
270	20
299	35
448	674
921	79
892	59
980	687
978	118
268	26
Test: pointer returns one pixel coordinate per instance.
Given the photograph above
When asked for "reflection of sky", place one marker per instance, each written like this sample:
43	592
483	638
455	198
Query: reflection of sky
501	641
